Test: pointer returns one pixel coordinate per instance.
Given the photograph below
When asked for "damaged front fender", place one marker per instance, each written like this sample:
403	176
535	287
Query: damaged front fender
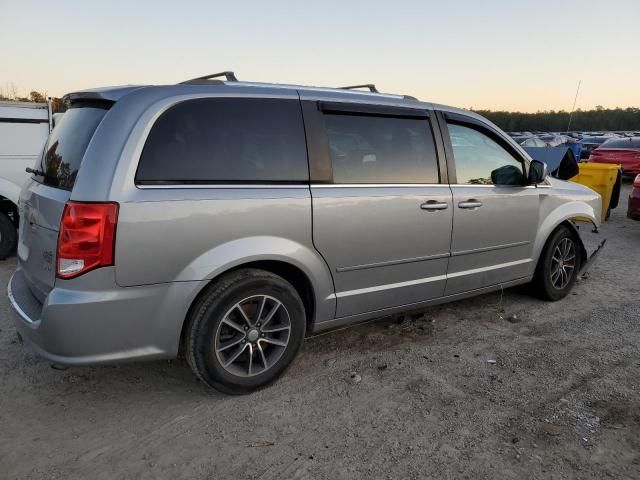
590	245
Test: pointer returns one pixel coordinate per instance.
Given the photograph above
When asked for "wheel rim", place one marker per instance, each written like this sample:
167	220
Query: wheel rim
253	335
563	263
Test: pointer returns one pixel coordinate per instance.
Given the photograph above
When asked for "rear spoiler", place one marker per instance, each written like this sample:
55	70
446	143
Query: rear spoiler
110	94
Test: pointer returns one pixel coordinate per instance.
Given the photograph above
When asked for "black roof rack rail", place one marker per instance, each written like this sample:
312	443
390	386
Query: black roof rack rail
230	76
372	88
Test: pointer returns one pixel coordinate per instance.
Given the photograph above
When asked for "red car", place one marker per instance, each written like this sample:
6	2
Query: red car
620	151
634	200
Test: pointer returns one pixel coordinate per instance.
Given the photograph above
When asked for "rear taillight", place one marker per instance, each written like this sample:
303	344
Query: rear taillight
636	182
87	237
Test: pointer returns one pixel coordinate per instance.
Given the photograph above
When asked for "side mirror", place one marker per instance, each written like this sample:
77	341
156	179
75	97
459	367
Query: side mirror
537	172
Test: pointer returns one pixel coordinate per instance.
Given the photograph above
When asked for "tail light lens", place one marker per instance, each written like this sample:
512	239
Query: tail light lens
87	237
636	182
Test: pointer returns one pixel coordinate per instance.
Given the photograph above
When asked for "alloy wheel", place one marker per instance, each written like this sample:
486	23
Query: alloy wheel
253	335
563	263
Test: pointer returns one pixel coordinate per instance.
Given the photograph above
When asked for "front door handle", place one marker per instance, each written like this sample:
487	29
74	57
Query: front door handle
433	205
471	203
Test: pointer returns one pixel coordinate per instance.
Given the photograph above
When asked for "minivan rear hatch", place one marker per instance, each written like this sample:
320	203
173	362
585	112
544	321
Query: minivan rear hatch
43	198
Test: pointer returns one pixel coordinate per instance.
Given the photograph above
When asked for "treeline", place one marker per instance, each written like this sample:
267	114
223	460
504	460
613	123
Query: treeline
57	105
552	121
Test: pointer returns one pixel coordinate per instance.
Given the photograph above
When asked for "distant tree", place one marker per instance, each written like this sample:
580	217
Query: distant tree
37	97
551	121
10	92
57	105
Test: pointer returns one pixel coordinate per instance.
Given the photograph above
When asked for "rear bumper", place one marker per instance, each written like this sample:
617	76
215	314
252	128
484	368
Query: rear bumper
84	327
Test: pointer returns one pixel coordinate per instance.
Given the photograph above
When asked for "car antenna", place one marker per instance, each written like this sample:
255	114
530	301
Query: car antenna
574	105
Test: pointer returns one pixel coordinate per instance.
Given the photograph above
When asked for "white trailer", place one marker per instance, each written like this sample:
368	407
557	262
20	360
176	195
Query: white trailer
24	128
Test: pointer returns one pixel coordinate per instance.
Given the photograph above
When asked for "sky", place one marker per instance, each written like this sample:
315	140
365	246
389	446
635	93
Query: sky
494	54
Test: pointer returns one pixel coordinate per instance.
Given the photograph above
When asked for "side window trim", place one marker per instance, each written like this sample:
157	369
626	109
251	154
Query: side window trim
447	159
320	170
457	119
372	110
320	166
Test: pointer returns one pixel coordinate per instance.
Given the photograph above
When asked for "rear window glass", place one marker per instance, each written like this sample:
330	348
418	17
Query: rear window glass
67	144
372	149
622	143
226	140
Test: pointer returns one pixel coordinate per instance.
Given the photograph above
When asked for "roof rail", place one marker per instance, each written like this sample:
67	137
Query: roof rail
372	88
230	76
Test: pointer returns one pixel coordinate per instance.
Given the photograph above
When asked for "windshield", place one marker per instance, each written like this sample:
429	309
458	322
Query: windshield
67	143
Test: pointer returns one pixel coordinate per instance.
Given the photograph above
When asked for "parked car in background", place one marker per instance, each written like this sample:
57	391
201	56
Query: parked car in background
552	140
24	128
633	210
590	143
529	141
555	140
232	219
619	151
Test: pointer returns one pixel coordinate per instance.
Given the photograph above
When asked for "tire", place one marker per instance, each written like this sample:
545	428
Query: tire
549	282
250	311
8	236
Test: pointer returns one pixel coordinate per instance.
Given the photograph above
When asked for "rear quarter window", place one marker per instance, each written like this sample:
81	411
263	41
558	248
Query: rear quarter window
226	140
68	142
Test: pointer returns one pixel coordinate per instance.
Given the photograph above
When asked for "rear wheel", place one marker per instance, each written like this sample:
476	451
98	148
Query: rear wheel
244	331
559	265
8	236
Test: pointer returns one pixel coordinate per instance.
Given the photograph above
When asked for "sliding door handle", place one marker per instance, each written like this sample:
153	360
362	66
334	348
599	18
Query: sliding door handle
433	205
471	204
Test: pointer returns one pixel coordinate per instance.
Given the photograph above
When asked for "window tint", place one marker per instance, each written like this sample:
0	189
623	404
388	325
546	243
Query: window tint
373	149
226	140
67	143
481	160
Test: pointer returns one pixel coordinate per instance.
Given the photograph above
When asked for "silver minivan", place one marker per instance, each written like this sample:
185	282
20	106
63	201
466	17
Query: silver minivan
229	220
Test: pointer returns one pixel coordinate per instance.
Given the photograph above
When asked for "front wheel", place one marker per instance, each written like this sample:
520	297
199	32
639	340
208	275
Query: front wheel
558	266
244	331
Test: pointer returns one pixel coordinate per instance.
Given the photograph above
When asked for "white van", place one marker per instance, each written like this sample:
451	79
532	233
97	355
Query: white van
24	128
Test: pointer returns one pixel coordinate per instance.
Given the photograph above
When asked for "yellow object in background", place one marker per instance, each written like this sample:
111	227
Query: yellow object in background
600	177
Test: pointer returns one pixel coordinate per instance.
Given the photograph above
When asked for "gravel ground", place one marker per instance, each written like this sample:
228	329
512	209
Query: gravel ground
461	391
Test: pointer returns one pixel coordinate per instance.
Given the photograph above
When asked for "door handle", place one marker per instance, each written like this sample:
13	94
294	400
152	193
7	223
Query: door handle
471	204
433	205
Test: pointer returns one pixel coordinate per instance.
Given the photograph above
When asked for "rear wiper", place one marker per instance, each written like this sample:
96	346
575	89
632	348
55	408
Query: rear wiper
34	171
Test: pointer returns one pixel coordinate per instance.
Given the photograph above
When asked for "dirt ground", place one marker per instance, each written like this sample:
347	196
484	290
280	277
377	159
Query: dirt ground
461	391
